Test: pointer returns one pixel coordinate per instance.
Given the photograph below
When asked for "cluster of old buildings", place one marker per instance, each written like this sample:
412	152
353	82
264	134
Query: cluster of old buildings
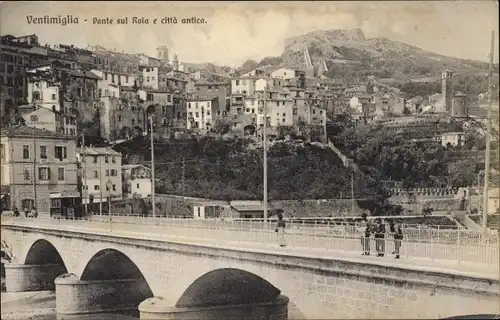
47	170
63	92
112	94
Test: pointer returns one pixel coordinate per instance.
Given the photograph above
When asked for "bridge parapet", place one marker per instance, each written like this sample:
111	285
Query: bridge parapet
318	284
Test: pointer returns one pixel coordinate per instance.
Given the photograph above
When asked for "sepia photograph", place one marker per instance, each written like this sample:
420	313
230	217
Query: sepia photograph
249	160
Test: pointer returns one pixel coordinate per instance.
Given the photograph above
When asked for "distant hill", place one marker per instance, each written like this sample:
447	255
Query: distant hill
349	52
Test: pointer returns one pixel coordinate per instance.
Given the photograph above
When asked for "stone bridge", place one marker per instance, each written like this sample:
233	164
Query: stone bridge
94	271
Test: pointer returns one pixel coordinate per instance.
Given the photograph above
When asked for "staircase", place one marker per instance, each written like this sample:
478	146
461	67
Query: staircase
463	220
345	160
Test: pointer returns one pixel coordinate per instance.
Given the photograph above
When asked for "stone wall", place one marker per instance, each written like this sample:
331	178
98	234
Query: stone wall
317	208
318	287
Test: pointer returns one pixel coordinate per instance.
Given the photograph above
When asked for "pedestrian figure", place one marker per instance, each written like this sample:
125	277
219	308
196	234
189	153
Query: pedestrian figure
16	212
397	232
280	229
34	213
365	238
380	238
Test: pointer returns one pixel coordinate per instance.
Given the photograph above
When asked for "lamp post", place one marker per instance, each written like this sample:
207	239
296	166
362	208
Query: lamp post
488	140
108	188
153	182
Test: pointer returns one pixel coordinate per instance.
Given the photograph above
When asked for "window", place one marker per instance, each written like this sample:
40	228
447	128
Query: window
2	152
26	152
107	172
106	159
114	173
43	152
43	174
137	186
126	79
55	203
237	82
107	187
60	174
95	159
114	187
119	118
34	118
53	96
113	78
60	152
96	174
27	175
113	159
96	187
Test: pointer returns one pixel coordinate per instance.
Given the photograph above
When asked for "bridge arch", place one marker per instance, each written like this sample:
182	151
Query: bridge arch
43	252
228	286
111	264
110	282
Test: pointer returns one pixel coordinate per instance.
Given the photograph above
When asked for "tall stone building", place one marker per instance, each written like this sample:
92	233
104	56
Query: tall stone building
447	89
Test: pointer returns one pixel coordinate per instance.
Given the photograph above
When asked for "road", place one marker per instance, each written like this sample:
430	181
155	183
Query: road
462	258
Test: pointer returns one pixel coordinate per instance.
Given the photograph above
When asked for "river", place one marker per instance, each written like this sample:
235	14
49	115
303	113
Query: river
41	305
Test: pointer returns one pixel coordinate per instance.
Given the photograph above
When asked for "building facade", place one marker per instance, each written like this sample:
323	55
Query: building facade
136	181
200	113
101	174
35	161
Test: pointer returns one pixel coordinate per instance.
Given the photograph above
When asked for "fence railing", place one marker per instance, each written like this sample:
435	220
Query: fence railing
459	246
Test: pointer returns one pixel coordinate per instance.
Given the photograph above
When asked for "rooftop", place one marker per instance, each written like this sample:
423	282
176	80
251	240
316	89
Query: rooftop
96	151
25	131
132	166
202	98
210	84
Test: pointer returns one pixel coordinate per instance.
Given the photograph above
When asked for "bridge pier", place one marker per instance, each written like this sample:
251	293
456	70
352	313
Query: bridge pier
31	277
158	309
75	297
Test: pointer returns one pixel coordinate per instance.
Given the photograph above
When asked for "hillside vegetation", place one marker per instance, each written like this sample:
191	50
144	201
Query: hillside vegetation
230	170
389	154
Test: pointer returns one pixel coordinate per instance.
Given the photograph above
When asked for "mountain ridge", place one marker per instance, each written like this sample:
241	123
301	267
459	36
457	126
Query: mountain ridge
349	51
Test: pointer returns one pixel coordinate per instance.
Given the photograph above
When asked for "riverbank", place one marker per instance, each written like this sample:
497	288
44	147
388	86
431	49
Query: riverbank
40	305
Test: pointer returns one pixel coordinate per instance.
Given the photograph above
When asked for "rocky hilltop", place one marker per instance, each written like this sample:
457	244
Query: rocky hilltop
349	51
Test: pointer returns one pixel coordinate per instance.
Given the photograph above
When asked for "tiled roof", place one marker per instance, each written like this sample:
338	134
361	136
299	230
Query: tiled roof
25	131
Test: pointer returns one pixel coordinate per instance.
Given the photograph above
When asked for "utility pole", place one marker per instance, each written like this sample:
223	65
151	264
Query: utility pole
84	161
100	185
264	134
183	175
488	136
153	182
34	169
352	191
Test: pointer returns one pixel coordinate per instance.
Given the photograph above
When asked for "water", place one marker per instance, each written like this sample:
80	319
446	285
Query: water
41	305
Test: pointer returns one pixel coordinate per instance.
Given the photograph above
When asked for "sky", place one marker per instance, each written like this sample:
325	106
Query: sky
235	32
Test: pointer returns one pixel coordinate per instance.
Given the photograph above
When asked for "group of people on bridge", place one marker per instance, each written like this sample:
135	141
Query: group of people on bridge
379	230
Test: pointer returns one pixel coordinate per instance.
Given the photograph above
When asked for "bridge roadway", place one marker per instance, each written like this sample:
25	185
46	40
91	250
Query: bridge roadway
478	259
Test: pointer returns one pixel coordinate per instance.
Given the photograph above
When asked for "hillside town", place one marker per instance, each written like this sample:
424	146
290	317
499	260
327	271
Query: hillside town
249	160
71	109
